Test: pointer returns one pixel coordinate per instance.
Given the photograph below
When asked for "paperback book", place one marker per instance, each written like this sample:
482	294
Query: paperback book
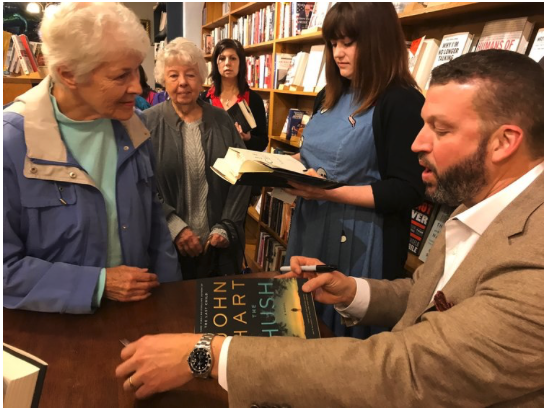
255	307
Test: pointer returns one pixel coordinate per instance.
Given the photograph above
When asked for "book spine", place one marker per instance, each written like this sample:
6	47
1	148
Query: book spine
420	218
30	54
21	55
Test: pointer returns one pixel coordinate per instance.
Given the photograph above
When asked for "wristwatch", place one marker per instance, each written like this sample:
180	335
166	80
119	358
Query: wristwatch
200	359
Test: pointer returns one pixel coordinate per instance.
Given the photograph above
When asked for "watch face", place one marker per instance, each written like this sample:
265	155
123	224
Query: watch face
199	360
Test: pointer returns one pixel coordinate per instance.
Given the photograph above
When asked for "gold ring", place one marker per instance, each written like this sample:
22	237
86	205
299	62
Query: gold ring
131	382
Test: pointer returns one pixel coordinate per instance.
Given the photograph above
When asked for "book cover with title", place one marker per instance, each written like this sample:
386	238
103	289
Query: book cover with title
255	307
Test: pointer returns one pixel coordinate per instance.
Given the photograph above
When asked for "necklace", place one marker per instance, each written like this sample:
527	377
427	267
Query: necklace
226	102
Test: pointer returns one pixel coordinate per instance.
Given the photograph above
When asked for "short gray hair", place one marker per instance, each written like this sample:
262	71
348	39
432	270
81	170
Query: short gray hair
183	51
81	36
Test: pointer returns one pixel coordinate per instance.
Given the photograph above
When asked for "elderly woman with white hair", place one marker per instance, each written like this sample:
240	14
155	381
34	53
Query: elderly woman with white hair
81	217
203	211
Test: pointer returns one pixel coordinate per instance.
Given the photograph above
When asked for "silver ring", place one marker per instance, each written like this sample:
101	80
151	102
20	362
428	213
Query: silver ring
131	382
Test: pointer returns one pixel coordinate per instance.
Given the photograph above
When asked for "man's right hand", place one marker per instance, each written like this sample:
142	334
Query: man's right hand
188	244
124	283
327	288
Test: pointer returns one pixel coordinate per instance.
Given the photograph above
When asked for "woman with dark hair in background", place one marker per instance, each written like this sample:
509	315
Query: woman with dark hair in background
361	133
144	100
230	87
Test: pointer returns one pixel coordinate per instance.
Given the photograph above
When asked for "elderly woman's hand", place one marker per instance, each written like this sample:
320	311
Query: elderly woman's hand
216	240
124	283
188	244
244	135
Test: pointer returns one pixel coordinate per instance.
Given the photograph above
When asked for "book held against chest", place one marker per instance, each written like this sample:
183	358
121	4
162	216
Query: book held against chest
255	307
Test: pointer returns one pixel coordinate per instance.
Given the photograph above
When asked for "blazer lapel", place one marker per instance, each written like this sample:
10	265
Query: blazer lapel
509	222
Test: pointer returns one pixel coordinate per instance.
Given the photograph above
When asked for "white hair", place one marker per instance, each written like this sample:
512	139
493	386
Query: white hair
182	51
82	36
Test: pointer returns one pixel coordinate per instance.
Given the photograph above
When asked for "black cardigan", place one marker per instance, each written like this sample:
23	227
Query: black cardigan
396	122
258	136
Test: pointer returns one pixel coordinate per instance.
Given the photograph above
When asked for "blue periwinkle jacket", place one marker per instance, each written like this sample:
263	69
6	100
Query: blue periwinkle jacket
55	238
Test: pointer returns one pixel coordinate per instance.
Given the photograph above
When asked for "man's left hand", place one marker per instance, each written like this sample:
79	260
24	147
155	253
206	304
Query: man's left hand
156	363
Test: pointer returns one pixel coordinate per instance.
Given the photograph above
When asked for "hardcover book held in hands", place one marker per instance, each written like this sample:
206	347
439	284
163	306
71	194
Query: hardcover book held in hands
23	378
255	307
251	168
241	113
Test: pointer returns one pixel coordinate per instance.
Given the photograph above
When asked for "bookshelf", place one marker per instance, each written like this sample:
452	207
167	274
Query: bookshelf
15	85
434	21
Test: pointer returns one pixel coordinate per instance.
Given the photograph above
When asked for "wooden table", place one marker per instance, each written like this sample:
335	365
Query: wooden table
83	350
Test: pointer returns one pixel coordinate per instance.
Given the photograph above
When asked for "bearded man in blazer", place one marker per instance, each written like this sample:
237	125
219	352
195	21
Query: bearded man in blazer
469	325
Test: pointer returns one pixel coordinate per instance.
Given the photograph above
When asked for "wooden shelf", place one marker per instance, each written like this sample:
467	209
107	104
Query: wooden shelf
219	22
295	144
302	38
261	89
252	212
449	10
250	8
272	233
300	93
267	45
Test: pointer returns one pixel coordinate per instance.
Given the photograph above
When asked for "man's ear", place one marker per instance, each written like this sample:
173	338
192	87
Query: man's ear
66	76
505	142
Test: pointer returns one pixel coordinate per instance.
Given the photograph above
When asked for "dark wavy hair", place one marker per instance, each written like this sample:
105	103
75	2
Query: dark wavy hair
215	74
381	53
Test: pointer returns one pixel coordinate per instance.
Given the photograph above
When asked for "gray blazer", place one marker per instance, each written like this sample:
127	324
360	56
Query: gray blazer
224	201
487	350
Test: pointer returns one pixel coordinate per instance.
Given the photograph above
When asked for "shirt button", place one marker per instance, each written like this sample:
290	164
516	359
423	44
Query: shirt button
124	227
33	170
72	175
125	148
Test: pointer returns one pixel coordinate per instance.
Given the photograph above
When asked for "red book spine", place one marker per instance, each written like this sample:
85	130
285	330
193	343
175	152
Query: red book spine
30	54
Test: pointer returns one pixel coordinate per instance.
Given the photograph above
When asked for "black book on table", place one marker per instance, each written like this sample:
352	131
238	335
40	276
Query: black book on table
24	376
241	113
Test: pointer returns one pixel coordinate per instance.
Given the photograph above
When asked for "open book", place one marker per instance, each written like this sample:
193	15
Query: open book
245	167
23	378
241	113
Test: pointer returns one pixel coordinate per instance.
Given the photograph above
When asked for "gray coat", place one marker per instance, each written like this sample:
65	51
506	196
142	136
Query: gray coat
224	200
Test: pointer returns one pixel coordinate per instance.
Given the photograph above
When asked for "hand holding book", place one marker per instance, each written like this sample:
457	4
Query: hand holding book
306	191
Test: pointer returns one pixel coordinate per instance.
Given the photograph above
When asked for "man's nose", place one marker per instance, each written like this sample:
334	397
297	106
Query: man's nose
423	141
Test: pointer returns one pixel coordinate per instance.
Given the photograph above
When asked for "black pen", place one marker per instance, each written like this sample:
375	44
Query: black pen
321	268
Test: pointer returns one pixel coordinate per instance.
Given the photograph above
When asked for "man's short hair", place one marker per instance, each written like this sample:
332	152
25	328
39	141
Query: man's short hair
511	91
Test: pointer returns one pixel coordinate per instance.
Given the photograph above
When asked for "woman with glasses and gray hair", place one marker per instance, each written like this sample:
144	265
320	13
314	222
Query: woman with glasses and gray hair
188	136
81	217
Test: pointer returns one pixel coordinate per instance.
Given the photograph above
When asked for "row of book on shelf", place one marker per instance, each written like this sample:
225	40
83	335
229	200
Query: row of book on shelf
302	17
427	220
255	28
425	54
21	56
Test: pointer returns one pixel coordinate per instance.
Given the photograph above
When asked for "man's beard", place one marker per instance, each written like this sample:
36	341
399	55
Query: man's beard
460	182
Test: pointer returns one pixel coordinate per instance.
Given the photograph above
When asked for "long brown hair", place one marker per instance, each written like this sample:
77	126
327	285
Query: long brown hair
381	54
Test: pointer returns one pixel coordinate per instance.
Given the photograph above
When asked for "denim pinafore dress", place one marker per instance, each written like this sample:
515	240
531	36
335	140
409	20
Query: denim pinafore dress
340	147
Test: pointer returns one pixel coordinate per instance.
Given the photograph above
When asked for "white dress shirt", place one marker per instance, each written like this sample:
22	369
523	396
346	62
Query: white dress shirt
462	233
